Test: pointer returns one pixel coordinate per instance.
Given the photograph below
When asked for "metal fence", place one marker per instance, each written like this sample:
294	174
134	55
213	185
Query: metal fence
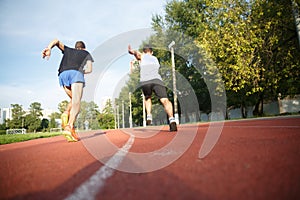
16	131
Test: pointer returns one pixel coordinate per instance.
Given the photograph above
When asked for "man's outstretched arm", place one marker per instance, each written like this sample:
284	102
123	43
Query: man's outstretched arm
47	51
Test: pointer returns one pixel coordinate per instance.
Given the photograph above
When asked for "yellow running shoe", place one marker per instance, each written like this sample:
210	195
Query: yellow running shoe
64	120
70	134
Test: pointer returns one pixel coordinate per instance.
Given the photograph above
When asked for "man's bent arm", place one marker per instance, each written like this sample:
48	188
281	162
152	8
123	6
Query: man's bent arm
89	67
47	51
57	43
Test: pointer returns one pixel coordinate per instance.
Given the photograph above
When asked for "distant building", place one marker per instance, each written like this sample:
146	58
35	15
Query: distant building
5	113
46	113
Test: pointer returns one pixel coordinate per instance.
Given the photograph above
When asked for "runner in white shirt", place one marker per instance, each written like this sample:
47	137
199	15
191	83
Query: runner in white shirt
151	81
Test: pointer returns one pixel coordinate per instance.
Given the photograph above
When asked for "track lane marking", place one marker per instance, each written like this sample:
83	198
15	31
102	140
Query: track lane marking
91	187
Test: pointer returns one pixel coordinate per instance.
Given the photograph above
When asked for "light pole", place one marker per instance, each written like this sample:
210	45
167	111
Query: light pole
123	117
118	117
144	111
115	110
296	13
171	47
130	111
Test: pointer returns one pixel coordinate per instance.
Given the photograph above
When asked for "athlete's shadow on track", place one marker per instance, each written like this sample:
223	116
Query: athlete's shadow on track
84	136
149	130
160	185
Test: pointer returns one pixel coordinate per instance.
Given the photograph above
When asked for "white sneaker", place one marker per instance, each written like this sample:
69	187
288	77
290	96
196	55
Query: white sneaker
149	120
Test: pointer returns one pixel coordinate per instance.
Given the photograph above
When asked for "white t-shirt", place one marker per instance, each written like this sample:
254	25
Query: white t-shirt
149	68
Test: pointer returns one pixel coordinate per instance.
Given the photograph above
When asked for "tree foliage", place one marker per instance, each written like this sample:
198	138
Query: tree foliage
17	120
33	119
106	117
52	122
253	44
87	116
62	106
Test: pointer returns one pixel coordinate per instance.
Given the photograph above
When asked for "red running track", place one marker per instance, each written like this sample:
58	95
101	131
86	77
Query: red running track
253	159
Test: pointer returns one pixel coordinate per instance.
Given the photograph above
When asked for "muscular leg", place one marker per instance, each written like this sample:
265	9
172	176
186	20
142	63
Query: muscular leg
168	106
148	106
76	95
69	93
169	110
69	107
66	113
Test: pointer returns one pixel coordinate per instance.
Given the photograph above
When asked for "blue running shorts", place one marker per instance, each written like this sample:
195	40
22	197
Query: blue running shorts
68	77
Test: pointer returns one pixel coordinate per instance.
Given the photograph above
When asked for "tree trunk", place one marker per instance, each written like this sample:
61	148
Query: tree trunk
259	106
244	111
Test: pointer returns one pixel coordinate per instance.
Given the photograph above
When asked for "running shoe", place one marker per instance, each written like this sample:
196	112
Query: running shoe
149	120
70	134
64	120
173	126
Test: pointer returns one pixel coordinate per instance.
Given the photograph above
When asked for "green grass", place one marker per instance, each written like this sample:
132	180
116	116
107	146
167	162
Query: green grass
12	138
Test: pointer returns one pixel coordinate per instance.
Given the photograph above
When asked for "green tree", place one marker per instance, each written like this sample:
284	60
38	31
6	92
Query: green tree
52	122
219	29
17	120
88	114
62	106
253	44
2	129
44	124
106	117
278	53
33	119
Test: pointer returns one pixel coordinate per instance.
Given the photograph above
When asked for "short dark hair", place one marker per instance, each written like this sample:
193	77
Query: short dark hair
79	45
147	48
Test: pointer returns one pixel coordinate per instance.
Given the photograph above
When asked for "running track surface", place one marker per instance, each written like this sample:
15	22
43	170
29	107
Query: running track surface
253	159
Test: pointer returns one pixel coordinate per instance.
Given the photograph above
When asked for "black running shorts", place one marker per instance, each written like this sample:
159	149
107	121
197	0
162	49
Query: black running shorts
159	90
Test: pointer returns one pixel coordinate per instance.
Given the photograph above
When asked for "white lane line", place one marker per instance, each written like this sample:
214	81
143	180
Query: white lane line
91	187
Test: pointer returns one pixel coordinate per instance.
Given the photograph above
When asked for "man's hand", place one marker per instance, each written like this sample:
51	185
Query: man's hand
130	50
137	54
46	53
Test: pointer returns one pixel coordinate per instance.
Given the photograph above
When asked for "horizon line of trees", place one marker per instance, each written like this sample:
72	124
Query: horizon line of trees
34	121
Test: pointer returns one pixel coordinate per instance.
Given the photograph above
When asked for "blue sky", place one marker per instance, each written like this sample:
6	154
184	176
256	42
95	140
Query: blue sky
26	27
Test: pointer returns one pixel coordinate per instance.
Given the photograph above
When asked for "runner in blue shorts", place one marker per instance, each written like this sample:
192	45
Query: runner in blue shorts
67	78
74	64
